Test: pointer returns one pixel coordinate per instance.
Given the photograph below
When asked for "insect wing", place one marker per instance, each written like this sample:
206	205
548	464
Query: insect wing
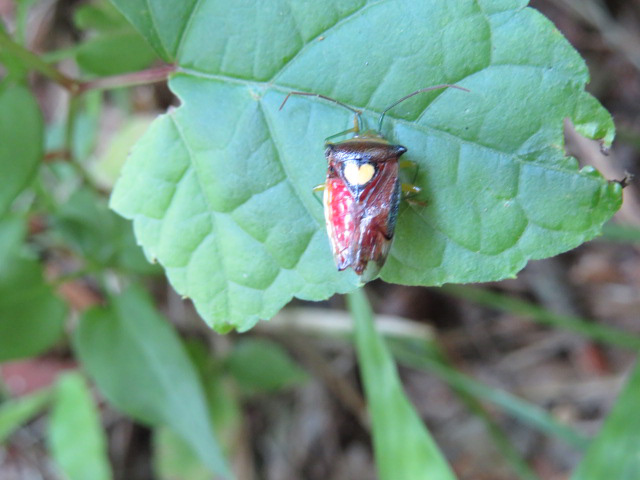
361	222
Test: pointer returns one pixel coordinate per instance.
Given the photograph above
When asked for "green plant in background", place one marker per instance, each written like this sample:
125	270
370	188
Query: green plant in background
220	194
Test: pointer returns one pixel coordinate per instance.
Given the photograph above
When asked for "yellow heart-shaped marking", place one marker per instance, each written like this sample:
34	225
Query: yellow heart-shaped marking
358	174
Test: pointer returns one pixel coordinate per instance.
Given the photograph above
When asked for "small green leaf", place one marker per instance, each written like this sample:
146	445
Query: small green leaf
614	453
140	366
161	23
87	225
16	412
403	446
77	439
258	364
113	46
114	53
31	315
220	189
20	121
100	16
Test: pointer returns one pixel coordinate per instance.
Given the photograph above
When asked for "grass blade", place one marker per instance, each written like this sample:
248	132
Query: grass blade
403	446
526	412
579	325
615	453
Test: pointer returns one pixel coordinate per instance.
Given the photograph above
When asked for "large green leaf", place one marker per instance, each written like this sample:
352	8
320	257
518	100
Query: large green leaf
614	453
141	367
403	446
77	440
220	189
21	141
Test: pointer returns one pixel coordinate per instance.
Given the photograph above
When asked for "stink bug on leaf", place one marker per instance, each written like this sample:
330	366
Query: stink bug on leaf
362	191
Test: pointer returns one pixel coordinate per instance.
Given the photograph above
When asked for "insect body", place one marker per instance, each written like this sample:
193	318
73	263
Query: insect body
361	199
362	193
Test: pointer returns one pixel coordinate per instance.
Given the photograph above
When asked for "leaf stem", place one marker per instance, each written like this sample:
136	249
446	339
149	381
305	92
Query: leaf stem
75	86
70	125
143	77
34	62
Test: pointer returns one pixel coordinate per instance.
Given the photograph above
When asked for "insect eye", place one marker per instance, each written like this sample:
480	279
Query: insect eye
329	147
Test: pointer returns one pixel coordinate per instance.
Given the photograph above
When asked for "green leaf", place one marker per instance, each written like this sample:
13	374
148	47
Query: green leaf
259	364
77	440
100	16
403	446
173	458
614	452
21	122
140	366
114	53
31	315
161	23
16	412
220	189
115	47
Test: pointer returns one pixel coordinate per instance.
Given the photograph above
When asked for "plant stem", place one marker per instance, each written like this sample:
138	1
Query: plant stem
34	62
143	77
68	146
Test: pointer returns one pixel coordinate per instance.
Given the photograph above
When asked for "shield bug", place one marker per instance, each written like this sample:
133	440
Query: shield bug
362	191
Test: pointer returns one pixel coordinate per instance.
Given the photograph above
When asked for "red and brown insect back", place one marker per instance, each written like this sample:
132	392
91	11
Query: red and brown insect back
362	192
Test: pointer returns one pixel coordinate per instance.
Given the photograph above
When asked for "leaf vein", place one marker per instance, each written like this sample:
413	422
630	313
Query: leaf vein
350	16
155	29
212	213
283	164
187	27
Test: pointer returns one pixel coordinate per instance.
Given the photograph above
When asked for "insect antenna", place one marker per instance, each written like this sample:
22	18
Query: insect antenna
358	113
422	90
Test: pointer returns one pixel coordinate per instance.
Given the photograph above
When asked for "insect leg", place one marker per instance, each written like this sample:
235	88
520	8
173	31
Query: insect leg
357	122
316	189
407	164
357	119
409	191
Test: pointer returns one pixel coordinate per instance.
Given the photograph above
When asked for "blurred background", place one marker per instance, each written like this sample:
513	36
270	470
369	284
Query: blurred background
303	417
